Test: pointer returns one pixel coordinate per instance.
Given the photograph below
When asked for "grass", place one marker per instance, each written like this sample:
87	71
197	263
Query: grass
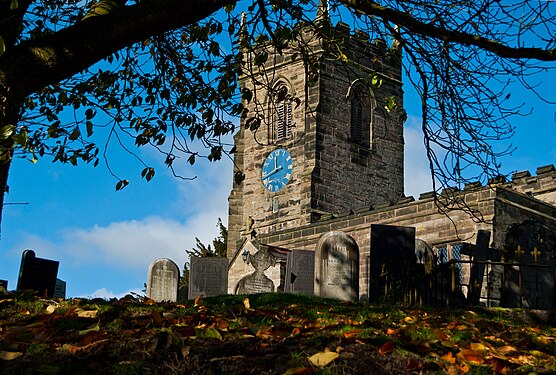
263	333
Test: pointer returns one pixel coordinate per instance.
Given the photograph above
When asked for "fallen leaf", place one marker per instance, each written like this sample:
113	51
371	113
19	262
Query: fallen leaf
9	356
94	327
409	319
299	371
478	347
185	351
157	318
86	313
387	348
352	333
264	333
247	304
296	331
448	344
449	357
50	309
390	331
208	333
322	359
471	356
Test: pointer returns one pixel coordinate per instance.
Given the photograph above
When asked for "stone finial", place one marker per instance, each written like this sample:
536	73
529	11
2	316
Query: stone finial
520	175
472	185
500	179
427	195
545	169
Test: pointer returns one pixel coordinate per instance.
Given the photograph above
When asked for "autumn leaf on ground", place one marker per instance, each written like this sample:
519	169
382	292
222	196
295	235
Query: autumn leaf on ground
92	328
449	357
247	304
322	359
471	356
352	333
299	371
8	356
208	333
387	348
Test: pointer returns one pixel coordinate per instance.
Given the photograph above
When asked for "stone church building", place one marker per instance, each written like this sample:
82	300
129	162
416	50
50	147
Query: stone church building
326	155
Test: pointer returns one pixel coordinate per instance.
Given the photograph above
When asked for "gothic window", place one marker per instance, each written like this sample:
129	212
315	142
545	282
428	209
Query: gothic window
283	119
360	115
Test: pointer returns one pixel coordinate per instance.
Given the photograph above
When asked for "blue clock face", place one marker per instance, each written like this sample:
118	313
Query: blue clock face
277	170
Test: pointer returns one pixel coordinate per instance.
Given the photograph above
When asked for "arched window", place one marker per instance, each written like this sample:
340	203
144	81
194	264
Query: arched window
283	122
360	114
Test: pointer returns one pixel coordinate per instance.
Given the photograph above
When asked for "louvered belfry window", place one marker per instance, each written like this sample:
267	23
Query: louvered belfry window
360	116
357	120
284	115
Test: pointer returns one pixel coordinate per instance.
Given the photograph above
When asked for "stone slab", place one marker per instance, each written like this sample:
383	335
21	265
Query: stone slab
37	274
208	277
300	272
163	280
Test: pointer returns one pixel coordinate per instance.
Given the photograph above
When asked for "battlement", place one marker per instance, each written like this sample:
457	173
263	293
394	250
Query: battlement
541	186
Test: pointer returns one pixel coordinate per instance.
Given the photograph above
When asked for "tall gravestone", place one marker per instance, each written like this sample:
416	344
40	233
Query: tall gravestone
37	274
163	280
392	254
530	282
337	267
300	272
208	277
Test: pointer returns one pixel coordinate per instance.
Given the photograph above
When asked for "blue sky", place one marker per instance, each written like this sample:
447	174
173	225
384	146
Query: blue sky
105	240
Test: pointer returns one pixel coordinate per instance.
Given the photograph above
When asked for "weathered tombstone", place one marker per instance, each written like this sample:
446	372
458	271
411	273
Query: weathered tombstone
60	289
300	272
163	280
4	284
392	258
208	277
478	269
337	267
257	282
37	274
530	282
183	293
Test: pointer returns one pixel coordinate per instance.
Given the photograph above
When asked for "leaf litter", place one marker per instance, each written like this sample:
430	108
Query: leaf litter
264	333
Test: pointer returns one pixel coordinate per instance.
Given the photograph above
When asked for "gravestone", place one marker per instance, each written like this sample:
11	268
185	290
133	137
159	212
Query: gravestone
478	269
337	267
257	282
4	284
300	272
60	289
531	284
208	277
37	274
392	259
162	280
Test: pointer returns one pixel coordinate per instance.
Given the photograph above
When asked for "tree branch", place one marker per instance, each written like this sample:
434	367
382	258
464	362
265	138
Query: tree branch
37	63
405	20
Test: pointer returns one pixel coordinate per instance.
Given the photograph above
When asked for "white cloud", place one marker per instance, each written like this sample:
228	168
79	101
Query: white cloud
417	172
105	293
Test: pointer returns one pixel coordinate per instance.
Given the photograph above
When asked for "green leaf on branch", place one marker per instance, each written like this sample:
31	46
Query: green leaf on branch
2	46
14	5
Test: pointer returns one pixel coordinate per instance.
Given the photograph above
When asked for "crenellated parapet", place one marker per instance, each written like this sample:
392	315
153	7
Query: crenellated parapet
541	186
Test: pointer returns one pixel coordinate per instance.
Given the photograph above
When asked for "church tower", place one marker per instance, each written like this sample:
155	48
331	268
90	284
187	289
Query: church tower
324	131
